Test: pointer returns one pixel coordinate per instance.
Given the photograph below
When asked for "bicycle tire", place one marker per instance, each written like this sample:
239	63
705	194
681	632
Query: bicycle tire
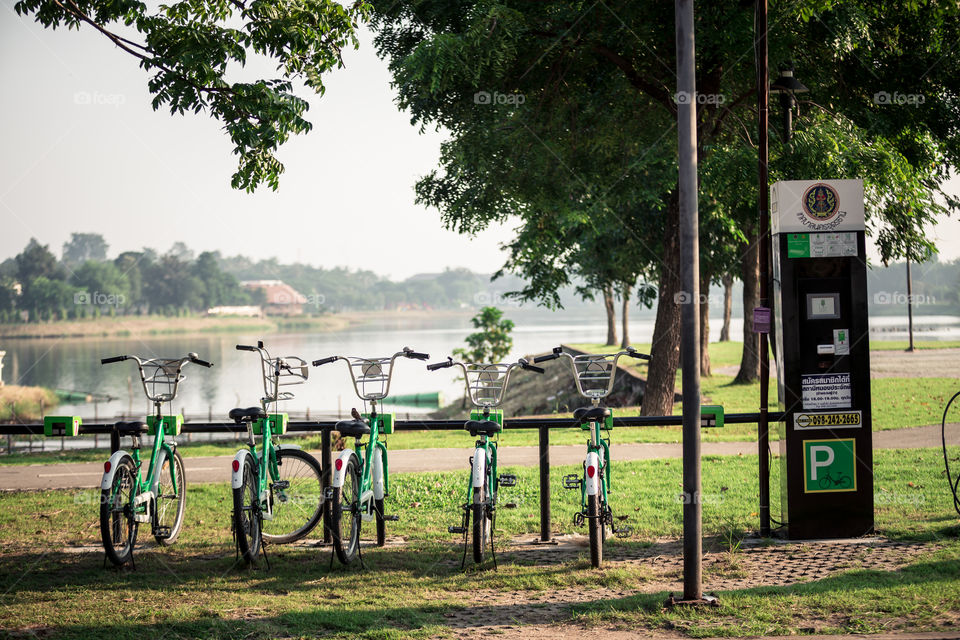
117	524
595	525
825	482
381	523
297	516
247	517
346	514
481	523
177	500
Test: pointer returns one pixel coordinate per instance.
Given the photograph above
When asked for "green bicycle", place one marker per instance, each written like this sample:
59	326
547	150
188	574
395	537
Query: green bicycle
486	385
277	492
127	499
360	478
594	375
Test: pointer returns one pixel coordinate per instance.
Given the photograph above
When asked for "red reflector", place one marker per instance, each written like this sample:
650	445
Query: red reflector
236	465
106	467
339	464
591	470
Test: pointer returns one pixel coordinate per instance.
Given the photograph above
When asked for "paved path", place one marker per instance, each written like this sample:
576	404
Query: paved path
87	475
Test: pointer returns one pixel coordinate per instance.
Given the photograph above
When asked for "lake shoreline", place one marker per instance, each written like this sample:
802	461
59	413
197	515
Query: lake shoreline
155	325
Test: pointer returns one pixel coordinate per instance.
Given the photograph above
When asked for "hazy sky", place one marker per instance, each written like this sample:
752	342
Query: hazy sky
82	150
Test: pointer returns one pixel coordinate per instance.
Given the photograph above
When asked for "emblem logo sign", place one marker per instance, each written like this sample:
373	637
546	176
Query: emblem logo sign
820	202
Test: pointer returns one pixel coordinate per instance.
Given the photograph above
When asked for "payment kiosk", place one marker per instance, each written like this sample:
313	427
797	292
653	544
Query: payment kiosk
822	345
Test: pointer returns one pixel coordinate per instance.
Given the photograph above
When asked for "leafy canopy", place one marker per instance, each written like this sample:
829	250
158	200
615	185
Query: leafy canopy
191	49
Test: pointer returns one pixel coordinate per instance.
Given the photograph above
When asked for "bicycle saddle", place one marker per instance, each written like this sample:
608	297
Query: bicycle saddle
132	428
352	428
590	414
241	415
482	427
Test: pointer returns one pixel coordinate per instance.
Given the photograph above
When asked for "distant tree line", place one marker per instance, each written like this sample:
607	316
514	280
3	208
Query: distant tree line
35	286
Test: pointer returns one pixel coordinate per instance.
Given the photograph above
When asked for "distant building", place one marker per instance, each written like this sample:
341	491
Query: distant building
246	311
280	299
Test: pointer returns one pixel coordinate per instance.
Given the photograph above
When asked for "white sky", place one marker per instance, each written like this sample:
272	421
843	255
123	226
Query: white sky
145	178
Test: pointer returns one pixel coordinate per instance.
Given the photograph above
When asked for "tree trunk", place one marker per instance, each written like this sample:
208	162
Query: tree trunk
665	352
704	324
727	306
750	267
611	316
626	317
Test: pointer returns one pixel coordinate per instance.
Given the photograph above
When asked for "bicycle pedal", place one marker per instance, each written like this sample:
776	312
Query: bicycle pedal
392	518
507	480
280	485
162	532
572	481
457	530
328	493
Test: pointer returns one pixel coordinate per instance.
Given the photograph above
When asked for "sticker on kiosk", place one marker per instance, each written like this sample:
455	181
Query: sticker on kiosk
827	420
826	391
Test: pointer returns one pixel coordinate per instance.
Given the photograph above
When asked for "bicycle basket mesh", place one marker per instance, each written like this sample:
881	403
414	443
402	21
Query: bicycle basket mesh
485	383
160	378
371	377
593	374
282	372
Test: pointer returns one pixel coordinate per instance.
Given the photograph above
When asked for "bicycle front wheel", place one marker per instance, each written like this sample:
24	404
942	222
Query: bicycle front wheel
594	516
118	528
481	522
247	517
170	503
345	519
298	505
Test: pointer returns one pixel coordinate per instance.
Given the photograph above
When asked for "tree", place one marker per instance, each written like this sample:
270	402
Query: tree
84	246
492	342
191	48
36	261
47	298
528	92
103	281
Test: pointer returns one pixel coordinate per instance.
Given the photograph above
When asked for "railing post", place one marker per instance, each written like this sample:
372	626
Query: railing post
544	441
114	442
326	464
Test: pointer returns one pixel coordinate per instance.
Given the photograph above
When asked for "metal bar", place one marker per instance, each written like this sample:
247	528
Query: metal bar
410	425
689	309
326	464
544	443
763	426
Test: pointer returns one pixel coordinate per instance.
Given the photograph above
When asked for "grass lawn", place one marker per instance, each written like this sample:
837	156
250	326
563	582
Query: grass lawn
194	589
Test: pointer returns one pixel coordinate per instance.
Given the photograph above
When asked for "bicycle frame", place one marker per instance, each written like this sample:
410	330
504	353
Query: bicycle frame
146	487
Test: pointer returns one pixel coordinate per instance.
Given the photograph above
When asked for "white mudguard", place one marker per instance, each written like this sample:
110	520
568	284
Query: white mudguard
479	467
592	484
378	481
236	477
161	457
340	474
115	459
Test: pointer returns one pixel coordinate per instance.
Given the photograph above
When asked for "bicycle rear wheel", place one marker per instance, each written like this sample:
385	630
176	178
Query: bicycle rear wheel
247	518
345	518
118	528
481	522
298	508
594	517
170	504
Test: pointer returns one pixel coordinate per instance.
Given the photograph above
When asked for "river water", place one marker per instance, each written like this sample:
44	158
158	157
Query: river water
74	363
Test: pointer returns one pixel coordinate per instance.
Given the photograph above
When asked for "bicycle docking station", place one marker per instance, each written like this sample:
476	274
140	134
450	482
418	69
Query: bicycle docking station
822	352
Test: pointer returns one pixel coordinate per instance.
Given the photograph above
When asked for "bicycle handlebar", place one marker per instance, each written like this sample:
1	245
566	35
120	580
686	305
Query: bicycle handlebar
524	364
410	353
113	359
440	365
245	347
323	361
202	363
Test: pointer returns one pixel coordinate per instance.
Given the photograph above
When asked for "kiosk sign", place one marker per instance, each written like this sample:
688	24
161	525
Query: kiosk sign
829	466
826	391
810	205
